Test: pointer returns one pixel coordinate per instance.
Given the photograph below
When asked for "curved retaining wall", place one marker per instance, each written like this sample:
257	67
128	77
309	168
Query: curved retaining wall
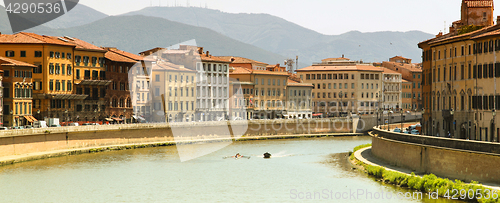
18	142
451	158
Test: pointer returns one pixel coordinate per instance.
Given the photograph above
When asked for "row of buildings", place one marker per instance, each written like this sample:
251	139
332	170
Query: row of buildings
62	77
460	71
76	81
342	86
197	86
70	79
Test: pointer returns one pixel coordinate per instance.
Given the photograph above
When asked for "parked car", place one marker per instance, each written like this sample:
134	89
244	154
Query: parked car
4	128
55	125
40	124
73	124
237	119
415	132
85	124
28	127
397	130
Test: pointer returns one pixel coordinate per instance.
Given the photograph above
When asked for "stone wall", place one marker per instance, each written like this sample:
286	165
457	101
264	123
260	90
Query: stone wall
438	156
17	142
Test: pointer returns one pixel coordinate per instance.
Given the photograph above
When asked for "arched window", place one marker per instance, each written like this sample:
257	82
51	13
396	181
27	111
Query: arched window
129	103
115	103
122	103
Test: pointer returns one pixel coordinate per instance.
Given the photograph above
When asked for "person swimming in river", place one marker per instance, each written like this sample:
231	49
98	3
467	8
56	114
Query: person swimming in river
237	155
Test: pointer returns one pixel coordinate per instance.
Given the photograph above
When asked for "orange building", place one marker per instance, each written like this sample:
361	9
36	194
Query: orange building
53	76
17	93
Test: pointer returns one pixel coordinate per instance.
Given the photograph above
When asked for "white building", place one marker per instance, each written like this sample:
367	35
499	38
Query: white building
392	89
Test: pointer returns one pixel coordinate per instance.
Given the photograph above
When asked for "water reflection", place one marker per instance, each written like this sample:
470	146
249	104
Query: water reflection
157	175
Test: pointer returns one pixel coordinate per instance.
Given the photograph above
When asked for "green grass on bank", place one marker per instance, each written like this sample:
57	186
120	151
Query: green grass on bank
430	183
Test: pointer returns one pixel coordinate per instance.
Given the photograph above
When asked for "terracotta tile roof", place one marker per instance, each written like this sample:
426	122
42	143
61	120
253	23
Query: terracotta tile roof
265	72
386	70
31	38
167	66
479	3
492	33
241	60
240	70
293	83
125	54
410	67
243	71
152	50
341	68
400	57
112	56
211	58
336	59
80	44
4	61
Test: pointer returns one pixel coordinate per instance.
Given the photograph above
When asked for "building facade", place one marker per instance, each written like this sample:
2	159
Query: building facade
17	92
410	72
118	100
299	99
406	95
392	90
173	92
343	87
460	77
89	79
264	91
53	79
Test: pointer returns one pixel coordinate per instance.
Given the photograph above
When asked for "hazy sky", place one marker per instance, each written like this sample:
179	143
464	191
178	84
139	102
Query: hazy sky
324	16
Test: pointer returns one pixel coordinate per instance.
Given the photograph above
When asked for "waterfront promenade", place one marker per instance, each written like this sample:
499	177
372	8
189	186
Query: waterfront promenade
445	157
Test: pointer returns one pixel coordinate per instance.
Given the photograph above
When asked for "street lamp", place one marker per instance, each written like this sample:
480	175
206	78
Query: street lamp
402	119
494	113
422	122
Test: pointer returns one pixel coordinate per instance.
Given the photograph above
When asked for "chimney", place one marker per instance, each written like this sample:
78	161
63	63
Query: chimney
232	59
452	29
439	34
342	55
498	20
208	53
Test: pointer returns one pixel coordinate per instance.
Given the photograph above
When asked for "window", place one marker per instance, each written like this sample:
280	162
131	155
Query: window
51	85
23	53
77	74
38	54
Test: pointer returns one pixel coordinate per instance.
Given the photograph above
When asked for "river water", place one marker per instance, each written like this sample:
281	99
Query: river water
310	170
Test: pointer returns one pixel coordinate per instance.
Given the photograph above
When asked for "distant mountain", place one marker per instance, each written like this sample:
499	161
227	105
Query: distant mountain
80	15
286	38
4	22
139	33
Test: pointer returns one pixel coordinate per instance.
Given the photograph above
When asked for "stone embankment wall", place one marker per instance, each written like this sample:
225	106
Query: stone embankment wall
18	142
451	158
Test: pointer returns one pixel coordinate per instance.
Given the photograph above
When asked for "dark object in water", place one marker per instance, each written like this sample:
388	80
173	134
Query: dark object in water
267	155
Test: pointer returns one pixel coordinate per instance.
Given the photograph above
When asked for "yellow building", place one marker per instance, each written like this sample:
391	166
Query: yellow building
89	79
268	90
343	83
53	78
460	75
17	93
177	84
